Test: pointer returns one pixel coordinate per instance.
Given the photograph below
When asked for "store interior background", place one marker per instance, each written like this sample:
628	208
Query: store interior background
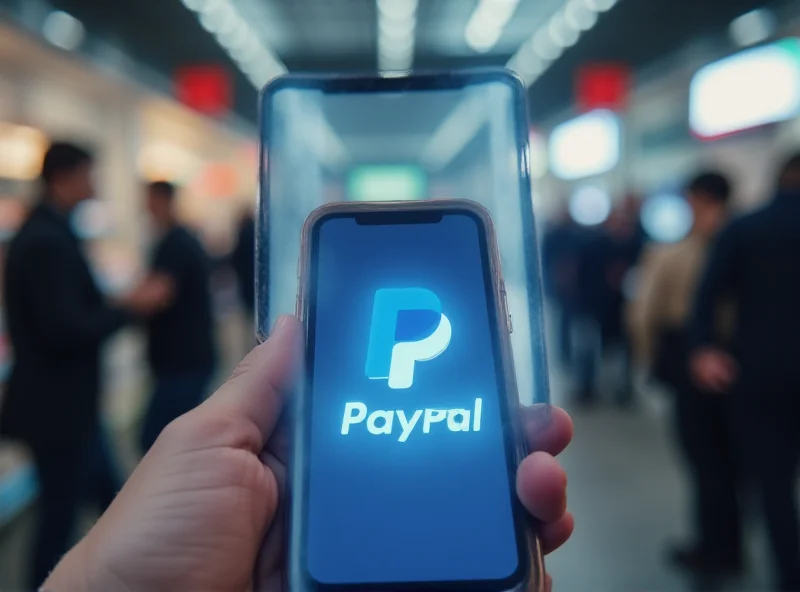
111	95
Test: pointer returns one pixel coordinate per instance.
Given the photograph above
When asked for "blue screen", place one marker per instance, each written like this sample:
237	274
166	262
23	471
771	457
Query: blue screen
408	468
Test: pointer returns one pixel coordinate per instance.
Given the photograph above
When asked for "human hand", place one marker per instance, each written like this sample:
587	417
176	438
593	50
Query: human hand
201	511
151	296
713	370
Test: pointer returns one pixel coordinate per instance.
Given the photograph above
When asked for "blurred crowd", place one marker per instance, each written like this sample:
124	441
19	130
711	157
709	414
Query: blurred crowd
587	271
59	319
712	319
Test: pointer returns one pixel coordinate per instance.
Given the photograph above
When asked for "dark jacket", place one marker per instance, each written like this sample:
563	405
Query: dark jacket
181	337
57	320
756	262
561	252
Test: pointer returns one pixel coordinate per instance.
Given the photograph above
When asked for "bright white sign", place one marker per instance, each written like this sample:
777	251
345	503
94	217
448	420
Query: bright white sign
584	146
749	89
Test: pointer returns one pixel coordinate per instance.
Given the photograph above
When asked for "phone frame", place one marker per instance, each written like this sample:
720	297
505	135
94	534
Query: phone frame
298	577
418	81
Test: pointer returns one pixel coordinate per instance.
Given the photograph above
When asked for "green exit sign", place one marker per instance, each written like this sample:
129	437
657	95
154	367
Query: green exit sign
387	183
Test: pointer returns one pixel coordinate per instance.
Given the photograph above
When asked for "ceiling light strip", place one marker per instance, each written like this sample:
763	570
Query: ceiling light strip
554	36
397	23
487	23
241	42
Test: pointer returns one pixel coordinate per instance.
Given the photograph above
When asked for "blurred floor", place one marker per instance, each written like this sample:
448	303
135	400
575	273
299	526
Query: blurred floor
625	489
627	493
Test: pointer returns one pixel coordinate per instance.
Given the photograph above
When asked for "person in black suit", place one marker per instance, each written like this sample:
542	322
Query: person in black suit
181	347
57	320
756	264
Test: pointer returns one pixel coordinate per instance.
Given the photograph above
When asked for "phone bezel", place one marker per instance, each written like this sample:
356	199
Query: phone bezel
529	572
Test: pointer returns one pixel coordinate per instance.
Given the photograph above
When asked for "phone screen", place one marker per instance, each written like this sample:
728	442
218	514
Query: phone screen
410	468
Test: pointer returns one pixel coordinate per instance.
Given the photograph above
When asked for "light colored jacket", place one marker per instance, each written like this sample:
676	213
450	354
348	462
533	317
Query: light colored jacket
668	279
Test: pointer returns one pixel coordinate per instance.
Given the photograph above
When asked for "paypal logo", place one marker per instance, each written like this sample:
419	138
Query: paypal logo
394	360
392	355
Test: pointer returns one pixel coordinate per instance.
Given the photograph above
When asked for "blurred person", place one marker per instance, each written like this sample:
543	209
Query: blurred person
608	258
625	240
756	263
57	320
203	509
586	335
180	346
243	261
561	247
660	318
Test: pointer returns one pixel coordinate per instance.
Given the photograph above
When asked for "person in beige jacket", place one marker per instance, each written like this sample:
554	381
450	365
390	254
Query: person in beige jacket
659	319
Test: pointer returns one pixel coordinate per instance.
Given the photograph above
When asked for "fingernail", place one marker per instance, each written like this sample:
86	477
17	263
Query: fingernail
280	323
538	414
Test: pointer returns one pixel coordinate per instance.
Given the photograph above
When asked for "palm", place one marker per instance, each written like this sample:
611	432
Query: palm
210	499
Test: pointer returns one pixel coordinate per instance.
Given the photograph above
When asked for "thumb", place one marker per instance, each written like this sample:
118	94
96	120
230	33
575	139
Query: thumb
257	389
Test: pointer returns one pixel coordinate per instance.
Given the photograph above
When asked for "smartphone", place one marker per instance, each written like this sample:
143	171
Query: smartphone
407	437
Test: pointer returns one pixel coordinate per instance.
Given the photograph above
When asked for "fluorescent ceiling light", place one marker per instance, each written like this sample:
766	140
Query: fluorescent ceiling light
242	43
63	30
601	5
585	146
562	34
195	5
397	28
544	46
397	9
754	27
579	16
487	22
753	88
481	40
396	47
560	31
397	20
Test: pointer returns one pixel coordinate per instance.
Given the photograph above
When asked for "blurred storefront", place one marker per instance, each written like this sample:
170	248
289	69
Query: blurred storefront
138	136
650	145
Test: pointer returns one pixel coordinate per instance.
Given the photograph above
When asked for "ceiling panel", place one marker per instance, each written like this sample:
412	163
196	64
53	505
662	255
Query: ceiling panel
332	28
340	35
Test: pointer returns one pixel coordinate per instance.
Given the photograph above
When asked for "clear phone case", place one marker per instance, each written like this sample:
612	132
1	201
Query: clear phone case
432	136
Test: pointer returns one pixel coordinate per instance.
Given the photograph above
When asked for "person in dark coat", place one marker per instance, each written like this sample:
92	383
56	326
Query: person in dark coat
561	250
660	317
57	321
180	347
608	255
756	264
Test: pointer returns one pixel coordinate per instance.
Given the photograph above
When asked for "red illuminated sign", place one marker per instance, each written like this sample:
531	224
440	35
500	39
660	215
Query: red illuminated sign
206	89
602	86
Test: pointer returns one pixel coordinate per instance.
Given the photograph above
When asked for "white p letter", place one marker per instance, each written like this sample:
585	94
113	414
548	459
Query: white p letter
407	353
353	413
